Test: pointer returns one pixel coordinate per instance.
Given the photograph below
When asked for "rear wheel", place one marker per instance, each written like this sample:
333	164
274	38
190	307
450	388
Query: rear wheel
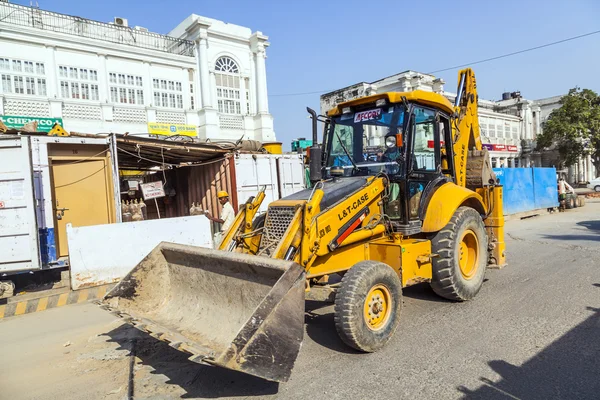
367	305
461	248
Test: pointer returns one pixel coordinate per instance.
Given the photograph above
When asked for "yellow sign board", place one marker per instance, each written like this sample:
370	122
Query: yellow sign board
160	128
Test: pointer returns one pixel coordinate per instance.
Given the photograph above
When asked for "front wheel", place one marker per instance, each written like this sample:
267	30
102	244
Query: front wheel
597	188
367	305
461	249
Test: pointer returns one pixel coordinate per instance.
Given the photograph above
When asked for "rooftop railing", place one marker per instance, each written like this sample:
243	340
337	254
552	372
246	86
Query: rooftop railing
46	20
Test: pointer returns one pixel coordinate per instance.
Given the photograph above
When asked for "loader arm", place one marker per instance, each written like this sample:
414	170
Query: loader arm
239	231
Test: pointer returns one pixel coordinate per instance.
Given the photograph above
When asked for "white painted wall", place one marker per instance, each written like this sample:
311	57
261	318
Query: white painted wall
102	254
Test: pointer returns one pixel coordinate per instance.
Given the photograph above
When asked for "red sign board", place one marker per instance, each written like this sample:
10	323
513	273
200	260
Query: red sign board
500	147
431	144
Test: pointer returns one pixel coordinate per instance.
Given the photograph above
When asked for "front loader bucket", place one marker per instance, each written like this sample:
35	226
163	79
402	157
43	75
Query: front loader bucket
237	311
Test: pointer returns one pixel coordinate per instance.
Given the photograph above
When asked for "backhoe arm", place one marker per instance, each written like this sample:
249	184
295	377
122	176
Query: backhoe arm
466	123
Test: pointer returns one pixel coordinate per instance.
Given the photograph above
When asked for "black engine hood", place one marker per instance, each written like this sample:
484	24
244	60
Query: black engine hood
334	190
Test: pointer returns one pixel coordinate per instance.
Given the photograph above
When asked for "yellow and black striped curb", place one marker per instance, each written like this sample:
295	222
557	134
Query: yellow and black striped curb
53	301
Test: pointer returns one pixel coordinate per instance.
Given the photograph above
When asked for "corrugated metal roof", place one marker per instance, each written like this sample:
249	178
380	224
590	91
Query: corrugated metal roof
145	153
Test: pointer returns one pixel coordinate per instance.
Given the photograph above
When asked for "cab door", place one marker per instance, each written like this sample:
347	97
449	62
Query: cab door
427	136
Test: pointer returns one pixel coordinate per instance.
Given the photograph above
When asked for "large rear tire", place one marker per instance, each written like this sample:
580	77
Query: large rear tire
367	305
461	247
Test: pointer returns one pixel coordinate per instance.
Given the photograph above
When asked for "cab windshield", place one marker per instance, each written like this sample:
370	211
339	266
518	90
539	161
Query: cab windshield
361	135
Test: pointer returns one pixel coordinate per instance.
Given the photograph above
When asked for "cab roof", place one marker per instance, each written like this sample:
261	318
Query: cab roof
430	99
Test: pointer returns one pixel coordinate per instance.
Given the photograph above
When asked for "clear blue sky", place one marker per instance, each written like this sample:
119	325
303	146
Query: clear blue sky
326	45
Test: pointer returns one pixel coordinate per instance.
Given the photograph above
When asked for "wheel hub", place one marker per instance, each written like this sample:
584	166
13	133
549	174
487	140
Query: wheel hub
468	254
377	307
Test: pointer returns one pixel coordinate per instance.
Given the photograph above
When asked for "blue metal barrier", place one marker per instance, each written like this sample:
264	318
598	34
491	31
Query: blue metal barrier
545	190
527	189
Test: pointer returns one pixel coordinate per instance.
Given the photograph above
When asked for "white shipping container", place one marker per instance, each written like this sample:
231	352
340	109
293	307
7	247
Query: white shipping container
291	175
19	247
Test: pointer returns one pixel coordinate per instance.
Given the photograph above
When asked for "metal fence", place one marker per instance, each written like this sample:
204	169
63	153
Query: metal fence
51	21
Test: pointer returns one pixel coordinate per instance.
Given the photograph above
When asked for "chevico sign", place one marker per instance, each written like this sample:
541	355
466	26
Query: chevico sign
17	122
500	147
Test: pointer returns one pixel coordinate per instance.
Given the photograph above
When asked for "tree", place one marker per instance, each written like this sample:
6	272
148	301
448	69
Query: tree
574	128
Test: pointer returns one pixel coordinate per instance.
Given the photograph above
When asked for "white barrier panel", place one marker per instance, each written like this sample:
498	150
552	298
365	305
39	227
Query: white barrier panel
102	254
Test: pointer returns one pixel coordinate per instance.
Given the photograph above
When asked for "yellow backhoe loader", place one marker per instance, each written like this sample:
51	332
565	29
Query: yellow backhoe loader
403	193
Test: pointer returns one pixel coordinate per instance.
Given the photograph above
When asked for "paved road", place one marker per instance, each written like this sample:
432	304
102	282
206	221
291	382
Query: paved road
533	332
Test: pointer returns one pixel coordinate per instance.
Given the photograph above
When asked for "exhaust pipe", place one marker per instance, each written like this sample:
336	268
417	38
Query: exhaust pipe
315	150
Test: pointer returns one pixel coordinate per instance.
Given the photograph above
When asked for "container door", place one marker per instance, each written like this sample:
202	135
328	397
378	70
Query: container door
291	175
253	171
81	196
19	248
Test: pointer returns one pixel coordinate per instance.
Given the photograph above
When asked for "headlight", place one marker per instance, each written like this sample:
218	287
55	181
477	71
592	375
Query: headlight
390	141
380	103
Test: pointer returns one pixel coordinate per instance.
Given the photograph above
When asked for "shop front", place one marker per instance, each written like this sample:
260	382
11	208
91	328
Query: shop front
503	155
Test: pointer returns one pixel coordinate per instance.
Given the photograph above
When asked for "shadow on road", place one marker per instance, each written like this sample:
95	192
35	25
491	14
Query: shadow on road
320	327
592	238
569	368
199	381
423	291
591	225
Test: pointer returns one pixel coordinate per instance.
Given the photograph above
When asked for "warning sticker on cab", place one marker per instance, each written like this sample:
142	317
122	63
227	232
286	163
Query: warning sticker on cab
367	115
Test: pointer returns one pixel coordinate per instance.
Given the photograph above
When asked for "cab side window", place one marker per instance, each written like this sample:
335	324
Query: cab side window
445	144
424	140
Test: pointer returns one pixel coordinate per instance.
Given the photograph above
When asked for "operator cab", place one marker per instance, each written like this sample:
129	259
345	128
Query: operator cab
409	142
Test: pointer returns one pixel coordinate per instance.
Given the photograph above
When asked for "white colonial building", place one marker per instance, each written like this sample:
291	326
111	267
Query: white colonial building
204	78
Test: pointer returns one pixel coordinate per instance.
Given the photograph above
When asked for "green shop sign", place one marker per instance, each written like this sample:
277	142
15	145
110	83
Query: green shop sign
17	122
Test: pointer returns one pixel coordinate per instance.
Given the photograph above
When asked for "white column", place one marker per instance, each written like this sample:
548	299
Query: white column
103	80
52	86
187	95
147	85
204	75
252	86
212	89
589	168
261	80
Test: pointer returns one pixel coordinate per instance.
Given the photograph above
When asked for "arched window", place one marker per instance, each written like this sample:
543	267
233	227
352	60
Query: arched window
226	64
227	75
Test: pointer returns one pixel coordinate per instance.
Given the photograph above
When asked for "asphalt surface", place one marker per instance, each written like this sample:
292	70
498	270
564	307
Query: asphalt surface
533	332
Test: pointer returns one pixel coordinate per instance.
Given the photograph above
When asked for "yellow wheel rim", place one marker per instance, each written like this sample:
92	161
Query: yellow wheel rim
377	308
468	254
